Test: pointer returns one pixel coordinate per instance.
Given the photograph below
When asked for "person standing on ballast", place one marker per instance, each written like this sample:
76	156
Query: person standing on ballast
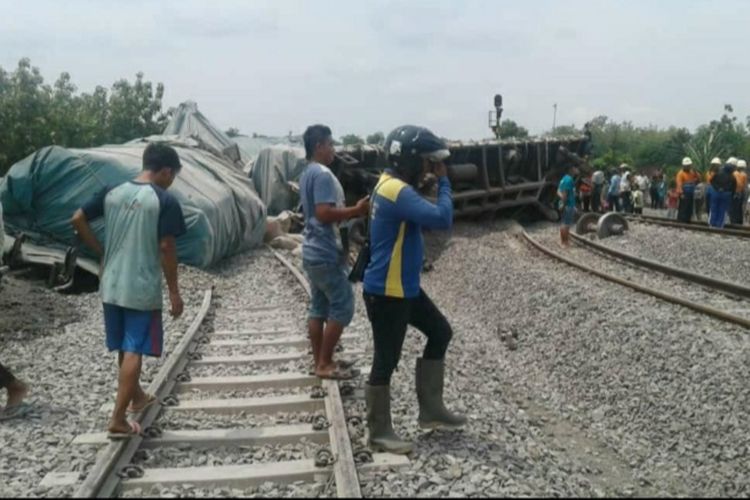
392	293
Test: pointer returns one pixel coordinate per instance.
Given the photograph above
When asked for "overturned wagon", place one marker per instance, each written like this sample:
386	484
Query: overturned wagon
486	177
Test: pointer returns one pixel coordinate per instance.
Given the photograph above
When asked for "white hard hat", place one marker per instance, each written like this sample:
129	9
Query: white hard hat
623	165
732	161
741	164
687	161
716	161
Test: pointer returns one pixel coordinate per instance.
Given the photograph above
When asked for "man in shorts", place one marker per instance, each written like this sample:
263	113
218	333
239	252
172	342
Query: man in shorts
323	256
567	194
141	222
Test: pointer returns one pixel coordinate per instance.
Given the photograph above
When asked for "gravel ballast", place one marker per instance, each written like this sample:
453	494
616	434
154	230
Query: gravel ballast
605	391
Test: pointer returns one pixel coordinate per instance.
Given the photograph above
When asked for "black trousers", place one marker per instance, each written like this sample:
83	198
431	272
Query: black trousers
586	202
389	317
736	211
685	210
6	378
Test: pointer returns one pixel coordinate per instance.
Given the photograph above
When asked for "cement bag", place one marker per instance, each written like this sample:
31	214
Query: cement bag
223	214
274	167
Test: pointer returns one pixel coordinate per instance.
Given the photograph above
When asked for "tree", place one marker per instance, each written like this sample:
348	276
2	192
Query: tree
34	114
509	128
351	140
564	130
377	138
233	132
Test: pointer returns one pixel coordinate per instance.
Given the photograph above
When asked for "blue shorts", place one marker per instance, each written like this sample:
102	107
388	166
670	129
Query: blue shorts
568	216
130	330
332	296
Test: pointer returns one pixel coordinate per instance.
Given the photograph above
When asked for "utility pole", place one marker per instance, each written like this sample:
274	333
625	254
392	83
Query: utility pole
554	118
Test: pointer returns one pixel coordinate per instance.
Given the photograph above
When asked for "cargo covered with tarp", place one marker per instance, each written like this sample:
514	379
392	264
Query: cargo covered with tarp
275	173
189	123
223	213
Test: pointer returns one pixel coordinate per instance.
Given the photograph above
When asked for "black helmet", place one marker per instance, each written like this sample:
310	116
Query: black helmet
407	145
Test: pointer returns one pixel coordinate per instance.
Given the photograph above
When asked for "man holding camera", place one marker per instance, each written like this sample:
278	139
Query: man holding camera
392	293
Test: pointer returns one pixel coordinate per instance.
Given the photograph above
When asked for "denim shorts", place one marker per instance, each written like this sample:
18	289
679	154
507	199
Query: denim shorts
568	216
332	295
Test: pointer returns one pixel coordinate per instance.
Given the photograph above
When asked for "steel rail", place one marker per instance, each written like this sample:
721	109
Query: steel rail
701	279
344	467
700	223
710	311
103	480
692	227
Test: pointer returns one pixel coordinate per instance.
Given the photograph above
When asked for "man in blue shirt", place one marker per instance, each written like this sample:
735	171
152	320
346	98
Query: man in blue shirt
567	193
141	222
323	257
392	293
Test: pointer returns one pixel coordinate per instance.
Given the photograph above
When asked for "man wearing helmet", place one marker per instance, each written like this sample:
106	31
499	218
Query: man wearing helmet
392	292
738	200
687	179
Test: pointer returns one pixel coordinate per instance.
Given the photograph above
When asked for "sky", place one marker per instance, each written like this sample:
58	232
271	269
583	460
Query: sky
360	66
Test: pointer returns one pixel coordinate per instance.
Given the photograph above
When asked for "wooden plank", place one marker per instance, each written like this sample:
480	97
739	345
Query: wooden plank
279	434
275	380
281	341
243	476
263	359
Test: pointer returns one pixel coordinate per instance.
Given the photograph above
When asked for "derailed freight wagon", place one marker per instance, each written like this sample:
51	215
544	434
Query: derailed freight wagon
487	177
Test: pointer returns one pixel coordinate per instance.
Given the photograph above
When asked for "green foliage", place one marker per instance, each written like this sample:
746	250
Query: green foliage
509	128
376	138
34	114
233	132
564	130
351	140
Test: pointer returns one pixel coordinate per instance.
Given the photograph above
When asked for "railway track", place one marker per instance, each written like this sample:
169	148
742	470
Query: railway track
272	382
729	230
716	298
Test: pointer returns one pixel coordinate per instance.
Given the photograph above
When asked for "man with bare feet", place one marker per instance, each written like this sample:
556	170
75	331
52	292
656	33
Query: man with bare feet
141	221
323	255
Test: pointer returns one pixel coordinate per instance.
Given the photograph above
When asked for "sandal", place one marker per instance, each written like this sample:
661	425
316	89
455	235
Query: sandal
150	399
20	410
135	430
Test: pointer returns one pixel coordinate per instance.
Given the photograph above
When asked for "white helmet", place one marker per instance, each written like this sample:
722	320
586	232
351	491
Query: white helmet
732	161
716	161
686	162
741	164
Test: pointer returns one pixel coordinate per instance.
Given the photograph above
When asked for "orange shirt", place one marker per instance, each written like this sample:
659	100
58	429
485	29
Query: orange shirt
683	177
741	178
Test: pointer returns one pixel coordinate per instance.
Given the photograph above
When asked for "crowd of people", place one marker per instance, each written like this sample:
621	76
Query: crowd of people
719	195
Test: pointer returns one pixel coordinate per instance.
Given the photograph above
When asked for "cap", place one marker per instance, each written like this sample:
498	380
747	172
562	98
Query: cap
686	162
716	161
741	164
732	161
